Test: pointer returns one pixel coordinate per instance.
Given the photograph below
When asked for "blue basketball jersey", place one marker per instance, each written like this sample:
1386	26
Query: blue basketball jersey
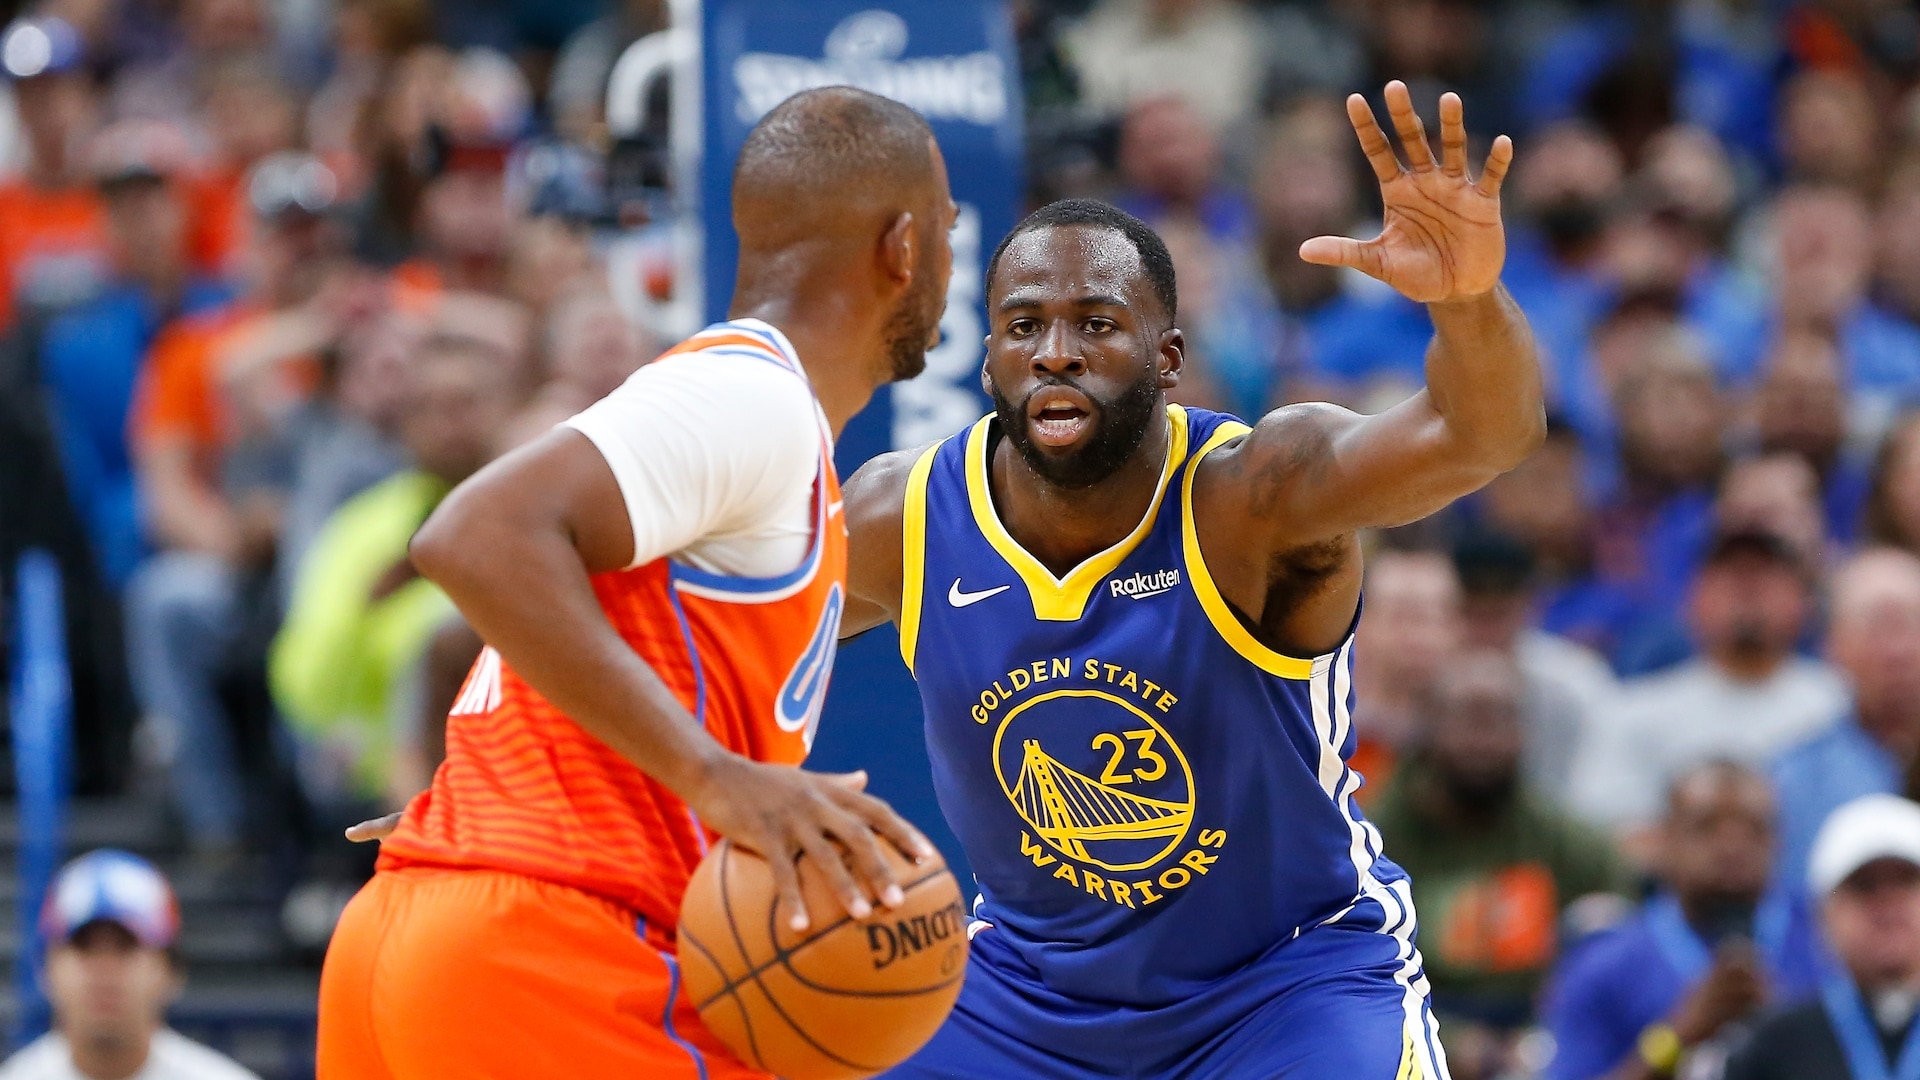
1152	800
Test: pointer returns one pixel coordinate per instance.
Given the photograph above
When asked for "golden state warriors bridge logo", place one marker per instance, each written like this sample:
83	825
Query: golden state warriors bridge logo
1103	785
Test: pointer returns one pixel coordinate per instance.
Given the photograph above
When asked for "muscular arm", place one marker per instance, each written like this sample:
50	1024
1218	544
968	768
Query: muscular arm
1313	472
876	498
514	547
1276	512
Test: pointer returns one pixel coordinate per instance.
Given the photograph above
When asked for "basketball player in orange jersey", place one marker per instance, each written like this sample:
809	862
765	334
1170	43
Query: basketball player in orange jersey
660	583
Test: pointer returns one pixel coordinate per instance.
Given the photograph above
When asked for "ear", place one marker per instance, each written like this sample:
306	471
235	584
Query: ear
986	380
899	250
1173	357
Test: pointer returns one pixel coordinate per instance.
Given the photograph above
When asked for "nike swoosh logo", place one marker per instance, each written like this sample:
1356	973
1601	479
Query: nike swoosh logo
962	599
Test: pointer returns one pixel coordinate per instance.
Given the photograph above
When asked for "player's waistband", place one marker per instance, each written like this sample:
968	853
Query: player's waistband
657	918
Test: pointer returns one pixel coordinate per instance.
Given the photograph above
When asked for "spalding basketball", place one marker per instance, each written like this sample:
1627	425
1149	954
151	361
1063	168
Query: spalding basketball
840	999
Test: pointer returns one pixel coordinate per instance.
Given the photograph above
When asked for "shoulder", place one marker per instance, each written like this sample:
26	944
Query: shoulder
45	1058
1289	443
876	494
1301	426
183	1057
722	406
743	380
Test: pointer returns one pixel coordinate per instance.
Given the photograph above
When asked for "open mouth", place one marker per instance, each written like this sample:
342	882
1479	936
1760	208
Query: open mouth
1060	415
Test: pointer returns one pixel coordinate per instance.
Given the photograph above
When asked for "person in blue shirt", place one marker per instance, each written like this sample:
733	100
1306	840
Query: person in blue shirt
1707	951
1874	637
90	355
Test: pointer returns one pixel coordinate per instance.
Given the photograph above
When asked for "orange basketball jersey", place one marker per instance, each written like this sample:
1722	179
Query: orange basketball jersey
524	789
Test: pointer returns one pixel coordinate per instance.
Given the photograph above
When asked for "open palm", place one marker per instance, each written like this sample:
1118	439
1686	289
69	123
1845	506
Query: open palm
1442	239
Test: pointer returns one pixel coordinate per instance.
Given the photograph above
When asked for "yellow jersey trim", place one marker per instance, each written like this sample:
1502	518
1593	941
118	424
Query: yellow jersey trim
1225	622
1409	1061
913	554
1056	599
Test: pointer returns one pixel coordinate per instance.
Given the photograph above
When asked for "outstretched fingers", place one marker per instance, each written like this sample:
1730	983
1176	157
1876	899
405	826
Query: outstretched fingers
1373	141
1413	134
1453	135
1499	159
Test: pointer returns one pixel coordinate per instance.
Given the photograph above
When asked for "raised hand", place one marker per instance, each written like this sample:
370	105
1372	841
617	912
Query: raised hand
1442	239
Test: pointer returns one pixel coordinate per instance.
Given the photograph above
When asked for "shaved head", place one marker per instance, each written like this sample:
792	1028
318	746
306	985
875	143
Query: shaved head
829	178
827	157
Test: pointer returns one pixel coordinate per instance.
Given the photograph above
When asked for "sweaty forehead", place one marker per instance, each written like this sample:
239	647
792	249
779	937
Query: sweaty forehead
1065	261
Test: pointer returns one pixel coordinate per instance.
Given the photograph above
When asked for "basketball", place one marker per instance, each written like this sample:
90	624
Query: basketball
839	999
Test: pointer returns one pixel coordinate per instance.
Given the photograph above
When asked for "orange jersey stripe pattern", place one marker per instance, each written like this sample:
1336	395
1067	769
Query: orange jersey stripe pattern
524	789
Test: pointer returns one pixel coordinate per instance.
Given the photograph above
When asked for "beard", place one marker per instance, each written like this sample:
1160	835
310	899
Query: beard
913	324
1120	426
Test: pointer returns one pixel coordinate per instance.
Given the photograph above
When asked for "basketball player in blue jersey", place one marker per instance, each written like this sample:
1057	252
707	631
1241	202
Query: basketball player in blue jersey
1131	625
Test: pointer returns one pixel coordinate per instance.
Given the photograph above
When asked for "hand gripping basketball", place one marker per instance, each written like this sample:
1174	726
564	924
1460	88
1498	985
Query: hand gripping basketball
845	998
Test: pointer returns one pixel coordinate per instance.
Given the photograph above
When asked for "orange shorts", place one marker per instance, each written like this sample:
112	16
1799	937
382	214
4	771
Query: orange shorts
457	974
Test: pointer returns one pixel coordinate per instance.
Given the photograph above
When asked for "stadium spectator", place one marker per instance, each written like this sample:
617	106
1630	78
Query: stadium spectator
1746	697
1711	947
1567	685
345	663
1207	52
1546	504
250	115
1563	192
1493	865
1413	627
111	928
591	348
1325	334
216	391
1873	637
53	228
1866	871
1800	407
90	355
1778	494
1648	536
1170	164
346	437
1824	267
462	221
1830	130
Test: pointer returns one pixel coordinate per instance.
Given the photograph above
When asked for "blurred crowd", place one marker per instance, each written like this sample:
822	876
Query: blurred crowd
1606	705
275	276
273	279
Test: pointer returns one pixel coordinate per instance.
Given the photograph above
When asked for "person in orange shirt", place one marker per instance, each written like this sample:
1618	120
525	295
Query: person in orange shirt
214	392
660	582
54	247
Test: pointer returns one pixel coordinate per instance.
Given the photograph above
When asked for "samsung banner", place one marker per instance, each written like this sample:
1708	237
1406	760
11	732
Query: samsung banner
954	62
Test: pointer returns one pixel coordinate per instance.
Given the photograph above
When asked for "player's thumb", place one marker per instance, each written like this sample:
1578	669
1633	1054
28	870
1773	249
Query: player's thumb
854	781
1342	251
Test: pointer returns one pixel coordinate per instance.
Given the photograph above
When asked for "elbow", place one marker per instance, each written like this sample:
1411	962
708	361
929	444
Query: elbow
436	549
1530	437
1519	442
